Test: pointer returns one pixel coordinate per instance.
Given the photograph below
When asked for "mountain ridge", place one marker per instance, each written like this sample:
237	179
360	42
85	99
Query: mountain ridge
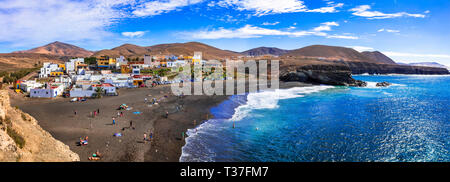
261	51
59	49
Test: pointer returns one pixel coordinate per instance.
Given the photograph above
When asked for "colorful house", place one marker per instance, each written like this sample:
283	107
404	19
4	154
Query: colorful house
56	73
103	62
197	59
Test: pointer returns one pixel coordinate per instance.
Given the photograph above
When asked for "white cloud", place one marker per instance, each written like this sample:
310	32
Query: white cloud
27	22
364	11
266	7
268	23
389	30
158	7
329	9
361	48
134	34
326	26
343	37
249	31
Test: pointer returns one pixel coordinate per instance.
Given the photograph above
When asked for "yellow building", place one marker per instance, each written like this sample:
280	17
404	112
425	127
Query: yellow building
112	61
56	73
125	69
63	66
163	63
103	61
197	58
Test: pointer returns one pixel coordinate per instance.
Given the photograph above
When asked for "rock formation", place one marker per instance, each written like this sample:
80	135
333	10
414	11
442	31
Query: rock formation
320	74
23	140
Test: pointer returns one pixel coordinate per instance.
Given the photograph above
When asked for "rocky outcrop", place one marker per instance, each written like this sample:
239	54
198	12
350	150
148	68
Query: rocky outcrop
22	139
372	68
383	84
320	74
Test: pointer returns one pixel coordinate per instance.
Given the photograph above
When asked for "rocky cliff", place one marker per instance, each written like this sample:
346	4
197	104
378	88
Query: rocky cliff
320	74
372	68
23	140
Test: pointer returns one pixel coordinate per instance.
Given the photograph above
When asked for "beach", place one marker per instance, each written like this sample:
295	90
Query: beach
57	116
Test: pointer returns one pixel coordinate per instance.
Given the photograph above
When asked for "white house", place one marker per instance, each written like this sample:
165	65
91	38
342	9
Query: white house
26	86
47	68
148	60
43	93
71	65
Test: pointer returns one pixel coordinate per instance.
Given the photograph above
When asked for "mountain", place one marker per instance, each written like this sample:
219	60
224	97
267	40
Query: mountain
186	49
59	49
260	51
378	56
429	64
330	57
329	52
14	61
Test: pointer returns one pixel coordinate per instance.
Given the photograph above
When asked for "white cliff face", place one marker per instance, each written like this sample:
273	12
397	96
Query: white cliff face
22	139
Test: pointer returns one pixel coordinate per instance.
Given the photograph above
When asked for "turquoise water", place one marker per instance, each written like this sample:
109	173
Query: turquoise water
409	121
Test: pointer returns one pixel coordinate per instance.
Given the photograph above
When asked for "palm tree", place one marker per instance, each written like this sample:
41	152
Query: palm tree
99	92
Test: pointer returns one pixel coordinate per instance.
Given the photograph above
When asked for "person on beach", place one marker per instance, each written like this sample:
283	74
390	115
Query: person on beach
151	136
167	114
131	124
75	112
98	111
121	114
145	137
114	121
118	114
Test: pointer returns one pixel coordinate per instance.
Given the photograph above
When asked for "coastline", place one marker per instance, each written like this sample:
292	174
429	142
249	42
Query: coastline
56	116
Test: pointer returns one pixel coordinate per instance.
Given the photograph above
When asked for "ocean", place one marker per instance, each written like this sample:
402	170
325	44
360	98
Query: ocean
408	121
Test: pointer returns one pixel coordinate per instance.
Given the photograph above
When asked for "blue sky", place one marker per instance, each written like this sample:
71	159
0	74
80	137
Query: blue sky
405	30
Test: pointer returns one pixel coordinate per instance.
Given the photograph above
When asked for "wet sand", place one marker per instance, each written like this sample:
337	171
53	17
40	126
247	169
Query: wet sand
57	117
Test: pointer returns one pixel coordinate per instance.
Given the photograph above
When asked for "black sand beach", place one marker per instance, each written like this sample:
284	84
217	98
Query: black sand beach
57	117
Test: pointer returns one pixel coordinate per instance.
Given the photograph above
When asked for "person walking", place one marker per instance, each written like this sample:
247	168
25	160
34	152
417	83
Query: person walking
145	137
75	112
114	121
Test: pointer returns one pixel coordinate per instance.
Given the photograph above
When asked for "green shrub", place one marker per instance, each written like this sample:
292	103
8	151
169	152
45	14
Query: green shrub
24	117
19	140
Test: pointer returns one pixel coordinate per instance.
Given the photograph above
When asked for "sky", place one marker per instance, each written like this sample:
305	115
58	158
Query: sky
405	30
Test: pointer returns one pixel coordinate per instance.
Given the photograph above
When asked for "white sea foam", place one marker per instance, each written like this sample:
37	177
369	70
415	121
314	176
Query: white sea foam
260	100
269	99
374	85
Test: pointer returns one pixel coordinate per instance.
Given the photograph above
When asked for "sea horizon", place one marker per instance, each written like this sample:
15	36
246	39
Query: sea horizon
243	122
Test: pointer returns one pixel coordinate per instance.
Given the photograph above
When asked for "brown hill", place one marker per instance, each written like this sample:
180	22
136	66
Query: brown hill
329	52
13	61
186	49
60	49
378	57
260	51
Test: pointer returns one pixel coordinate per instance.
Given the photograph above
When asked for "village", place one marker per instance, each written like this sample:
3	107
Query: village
95	77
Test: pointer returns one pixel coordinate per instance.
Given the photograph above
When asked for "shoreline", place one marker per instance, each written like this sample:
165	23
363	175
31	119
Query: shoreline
56	116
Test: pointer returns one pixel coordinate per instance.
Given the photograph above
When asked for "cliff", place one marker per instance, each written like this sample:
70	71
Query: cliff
23	140
330	74
372	68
